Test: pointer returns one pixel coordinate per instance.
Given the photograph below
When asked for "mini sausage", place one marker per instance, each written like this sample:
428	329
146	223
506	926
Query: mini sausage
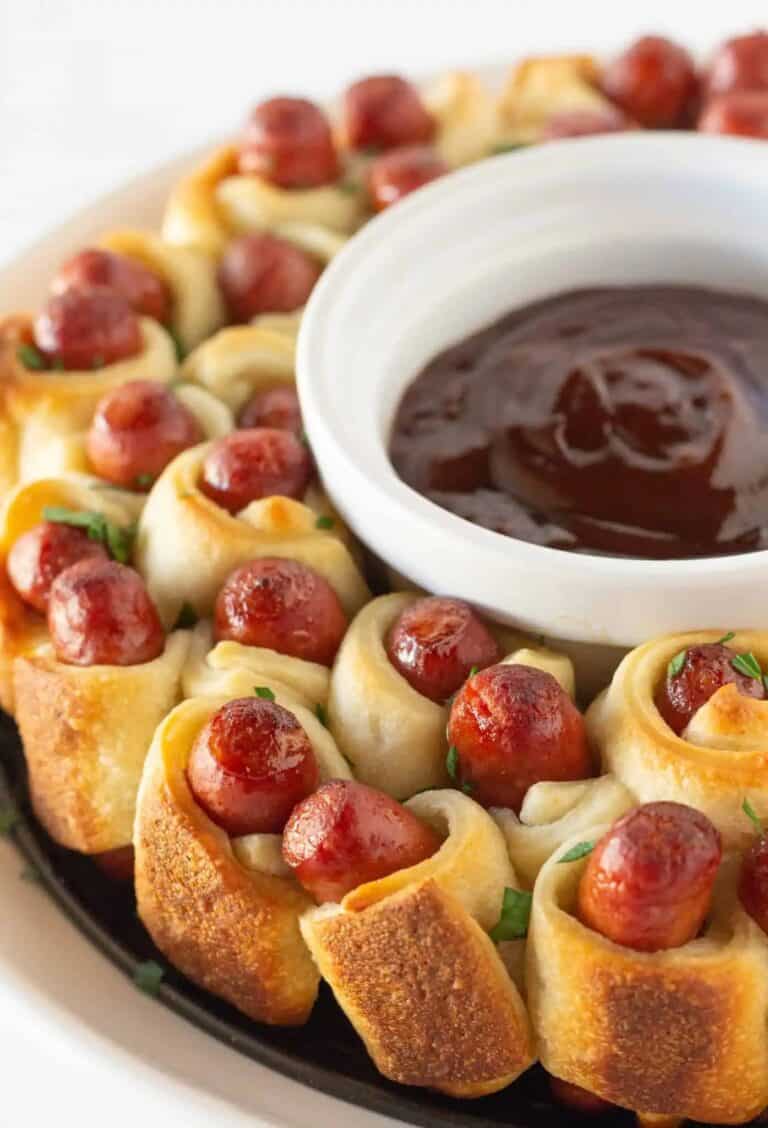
145	291
247	465
250	765
288	141
744	113
654	82
261	273
384	111
42	553
704	670
137	430
436	642
753	881
347	833
648	882
100	613
511	726
396	174
281	605
739	64
87	328
276	407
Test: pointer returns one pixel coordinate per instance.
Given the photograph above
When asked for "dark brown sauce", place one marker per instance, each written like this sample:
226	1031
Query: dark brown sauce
628	421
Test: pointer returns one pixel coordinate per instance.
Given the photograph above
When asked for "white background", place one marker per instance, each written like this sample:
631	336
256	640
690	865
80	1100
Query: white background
91	93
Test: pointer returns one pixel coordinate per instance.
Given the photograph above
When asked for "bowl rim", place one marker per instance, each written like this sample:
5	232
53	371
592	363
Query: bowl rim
734	159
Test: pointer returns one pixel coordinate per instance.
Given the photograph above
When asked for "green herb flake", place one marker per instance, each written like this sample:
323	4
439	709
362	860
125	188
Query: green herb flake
452	763
321	714
675	667
752	815
324	522
264	692
178	346
148	976
748	665
145	481
508	147
473	671
31	357
580	850
117	539
304	440
467	787
515	915
726	638
186	618
9	817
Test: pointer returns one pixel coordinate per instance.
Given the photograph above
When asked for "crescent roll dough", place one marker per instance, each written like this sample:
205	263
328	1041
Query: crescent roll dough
555	811
237	362
189	273
680	1032
215	203
393	736
22	630
718	761
43	412
467	117
187	545
215	906
538	88
413	969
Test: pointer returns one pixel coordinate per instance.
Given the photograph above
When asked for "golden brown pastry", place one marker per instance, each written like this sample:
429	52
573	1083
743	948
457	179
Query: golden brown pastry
197	309
538	88
187	545
215	202
44	413
393	735
716	762
467	117
679	1032
413	969
222	909
241	360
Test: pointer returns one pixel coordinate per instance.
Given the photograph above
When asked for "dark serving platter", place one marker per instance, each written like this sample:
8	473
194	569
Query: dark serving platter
326	1054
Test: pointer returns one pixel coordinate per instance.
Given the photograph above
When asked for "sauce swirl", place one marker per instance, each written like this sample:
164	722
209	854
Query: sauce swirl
626	421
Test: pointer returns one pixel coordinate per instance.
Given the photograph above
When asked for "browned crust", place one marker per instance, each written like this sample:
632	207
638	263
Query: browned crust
679	1033
20	631
425	989
232	931
86	732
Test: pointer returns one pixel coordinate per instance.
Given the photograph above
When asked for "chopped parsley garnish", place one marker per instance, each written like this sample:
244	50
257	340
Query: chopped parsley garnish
473	671
148	976
674	669
508	147
321	714
264	692
31	357
748	665
9	816
515	914
177	344
324	522
186	618
144	481
726	638
117	539
752	815
467	787
452	763
580	850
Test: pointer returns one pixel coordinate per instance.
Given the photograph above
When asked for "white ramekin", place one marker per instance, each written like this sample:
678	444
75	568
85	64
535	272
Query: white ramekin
677	208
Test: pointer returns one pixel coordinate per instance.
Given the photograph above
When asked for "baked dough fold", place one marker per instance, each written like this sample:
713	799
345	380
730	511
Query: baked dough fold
221	909
412	968
718	761
673	1033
